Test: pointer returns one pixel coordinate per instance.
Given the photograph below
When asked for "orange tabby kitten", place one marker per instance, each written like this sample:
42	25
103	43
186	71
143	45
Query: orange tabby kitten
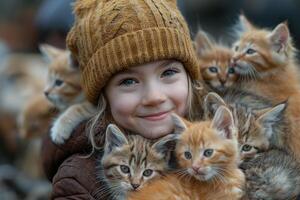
207	155
265	61
215	66
64	91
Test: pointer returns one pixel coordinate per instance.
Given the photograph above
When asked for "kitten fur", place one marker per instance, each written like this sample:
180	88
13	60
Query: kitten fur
207	156
265	61
271	171
64	91
214	65
143	159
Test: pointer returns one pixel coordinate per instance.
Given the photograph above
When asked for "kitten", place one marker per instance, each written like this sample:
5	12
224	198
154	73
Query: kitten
131	163
64	91
215	66
207	156
265	61
271	170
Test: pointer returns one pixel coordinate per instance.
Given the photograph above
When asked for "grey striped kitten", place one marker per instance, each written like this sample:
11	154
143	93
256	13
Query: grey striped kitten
130	162
270	169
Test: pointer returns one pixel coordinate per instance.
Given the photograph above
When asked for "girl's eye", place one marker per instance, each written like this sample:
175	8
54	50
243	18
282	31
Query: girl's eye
213	69
250	51
231	70
148	172
128	82
208	152
125	169
188	155
58	82
169	72
246	147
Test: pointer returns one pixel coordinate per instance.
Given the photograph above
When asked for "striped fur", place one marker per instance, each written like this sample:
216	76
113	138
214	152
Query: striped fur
136	154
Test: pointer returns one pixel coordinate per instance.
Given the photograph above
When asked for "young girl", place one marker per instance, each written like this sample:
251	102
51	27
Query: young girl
138	65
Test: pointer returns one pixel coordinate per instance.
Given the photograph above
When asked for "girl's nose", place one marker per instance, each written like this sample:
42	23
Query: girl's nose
153	95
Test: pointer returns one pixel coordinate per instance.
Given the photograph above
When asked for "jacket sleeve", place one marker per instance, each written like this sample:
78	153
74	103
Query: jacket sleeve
76	178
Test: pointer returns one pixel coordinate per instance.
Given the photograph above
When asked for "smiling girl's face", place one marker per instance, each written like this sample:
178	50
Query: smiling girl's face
142	98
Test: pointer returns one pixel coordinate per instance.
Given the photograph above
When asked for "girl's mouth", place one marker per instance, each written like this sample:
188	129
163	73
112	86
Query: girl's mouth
156	116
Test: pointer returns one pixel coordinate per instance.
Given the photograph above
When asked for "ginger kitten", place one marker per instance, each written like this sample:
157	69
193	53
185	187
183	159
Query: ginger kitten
265	61
215	66
131	162
64	91
207	156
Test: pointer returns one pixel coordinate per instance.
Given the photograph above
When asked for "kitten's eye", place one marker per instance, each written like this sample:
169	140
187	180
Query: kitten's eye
188	155
213	69
128	82
58	82
236	48
250	51
125	169
169	72
231	70
246	147
148	172
208	152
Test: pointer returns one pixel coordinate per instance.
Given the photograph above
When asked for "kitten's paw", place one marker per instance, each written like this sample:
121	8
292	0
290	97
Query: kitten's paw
59	133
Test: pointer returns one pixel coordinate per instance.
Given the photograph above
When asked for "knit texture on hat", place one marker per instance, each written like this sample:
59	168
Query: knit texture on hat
112	35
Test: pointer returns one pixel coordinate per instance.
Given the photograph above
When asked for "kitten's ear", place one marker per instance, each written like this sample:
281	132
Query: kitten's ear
49	52
212	102
166	144
224	123
202	43
269	118
114	138
245	23
242	26
279	37
179	124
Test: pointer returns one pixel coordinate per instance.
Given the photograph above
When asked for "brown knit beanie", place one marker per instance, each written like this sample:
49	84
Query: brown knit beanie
112	35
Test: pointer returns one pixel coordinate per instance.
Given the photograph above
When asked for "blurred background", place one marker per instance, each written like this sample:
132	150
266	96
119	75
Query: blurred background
24	24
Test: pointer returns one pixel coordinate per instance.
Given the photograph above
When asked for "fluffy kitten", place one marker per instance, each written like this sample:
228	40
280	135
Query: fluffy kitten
265	61
215	63
130	163
207	155
64	91
271	170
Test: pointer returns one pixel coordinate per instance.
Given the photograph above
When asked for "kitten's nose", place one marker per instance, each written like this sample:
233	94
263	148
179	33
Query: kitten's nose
233	61
135	186
46	93
195	168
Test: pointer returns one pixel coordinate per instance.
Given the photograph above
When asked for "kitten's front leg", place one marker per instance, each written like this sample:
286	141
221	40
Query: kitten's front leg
68	120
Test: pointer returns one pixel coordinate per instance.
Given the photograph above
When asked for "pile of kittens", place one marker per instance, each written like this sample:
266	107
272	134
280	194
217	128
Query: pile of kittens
246	147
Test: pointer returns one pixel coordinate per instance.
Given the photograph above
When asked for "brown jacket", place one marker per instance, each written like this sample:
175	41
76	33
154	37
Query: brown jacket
73	176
